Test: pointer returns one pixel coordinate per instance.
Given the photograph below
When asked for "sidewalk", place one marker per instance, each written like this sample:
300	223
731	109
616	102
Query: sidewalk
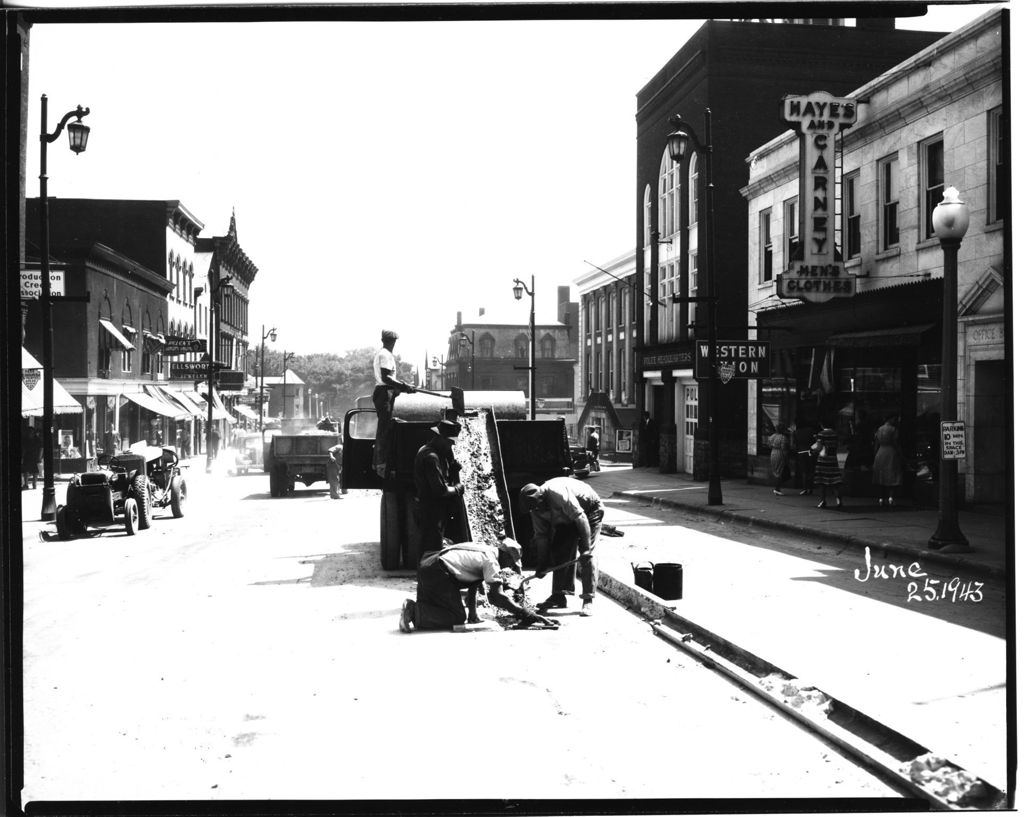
920	669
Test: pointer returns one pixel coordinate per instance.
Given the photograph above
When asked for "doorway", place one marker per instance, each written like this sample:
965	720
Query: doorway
989	431
689	425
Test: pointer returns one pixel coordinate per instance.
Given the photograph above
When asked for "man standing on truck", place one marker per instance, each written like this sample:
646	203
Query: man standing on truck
566	515
436	477
386	388
441	577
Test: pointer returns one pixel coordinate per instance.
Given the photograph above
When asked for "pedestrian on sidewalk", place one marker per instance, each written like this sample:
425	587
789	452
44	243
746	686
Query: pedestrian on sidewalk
594	449
647	440
566	515
803	439
779	445
826	467
334	470
31	454
887	470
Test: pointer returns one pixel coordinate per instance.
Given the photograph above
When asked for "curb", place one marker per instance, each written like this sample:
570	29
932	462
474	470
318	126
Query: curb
886	548
723	656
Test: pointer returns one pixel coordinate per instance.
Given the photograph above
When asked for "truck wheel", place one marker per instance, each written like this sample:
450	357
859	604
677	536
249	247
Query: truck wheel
63	526
178	496
412	549
274	491
131	516
390	532
140	490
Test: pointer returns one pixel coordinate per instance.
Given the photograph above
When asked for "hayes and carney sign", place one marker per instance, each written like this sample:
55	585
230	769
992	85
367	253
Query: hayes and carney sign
818	276
748	358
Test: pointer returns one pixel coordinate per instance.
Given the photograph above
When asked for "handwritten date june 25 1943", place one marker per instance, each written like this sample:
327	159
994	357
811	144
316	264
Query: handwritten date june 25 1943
921	587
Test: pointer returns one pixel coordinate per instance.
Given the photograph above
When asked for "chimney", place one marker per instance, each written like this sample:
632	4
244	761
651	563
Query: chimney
458	318
563	302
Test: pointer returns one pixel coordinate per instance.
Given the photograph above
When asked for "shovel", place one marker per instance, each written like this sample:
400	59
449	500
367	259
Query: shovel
457	397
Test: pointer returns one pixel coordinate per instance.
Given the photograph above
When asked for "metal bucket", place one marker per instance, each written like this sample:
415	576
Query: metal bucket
643	575
668	580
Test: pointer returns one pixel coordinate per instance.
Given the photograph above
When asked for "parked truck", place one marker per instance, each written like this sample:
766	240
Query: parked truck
516	450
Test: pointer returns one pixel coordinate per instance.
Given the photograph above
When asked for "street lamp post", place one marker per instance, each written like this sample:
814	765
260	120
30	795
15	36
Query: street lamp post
285	357
681	136
950	219
464	338
272	334
517	290
211	370
78	135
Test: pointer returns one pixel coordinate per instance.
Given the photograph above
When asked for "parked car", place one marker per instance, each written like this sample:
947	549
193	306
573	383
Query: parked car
580	461
248	452
125	490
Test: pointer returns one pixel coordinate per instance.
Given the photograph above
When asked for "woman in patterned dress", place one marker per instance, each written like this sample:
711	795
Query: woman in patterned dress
826	468
887	471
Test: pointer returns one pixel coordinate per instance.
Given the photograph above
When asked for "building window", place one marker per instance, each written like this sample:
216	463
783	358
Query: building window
647	216
791	231
126	354
691	288
851	217
547	346
486	346
668	195
694	189
889	202
996	168
765	243
621	387
606	310
522	345
104	359
668	285
609	367
586	373
931	182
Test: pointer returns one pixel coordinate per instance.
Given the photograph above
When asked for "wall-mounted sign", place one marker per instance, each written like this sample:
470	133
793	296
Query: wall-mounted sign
32	284
624	441
182	346
819	275
954	440
682	358
740	359
230	380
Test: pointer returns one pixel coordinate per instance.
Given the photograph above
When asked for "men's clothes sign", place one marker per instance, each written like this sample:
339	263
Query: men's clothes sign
816	273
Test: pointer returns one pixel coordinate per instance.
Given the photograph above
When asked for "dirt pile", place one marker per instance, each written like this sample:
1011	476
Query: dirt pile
483	507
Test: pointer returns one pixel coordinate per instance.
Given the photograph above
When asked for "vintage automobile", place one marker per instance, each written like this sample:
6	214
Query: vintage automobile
126	490
580	461
247	448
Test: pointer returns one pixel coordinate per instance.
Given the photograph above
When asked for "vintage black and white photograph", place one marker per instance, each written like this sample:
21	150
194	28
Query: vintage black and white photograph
521	409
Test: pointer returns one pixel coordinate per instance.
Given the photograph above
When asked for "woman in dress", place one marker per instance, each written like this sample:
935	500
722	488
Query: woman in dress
826	468
779	445
887	471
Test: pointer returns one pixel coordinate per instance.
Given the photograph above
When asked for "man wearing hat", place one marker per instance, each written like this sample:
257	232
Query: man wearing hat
566	515
443	575
435	474
386	388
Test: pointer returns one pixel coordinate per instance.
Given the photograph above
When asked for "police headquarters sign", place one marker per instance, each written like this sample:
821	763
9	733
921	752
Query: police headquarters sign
748	359
818	276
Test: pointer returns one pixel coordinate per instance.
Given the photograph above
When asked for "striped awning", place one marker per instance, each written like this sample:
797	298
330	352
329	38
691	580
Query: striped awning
183	400
32	400
151	404
156	393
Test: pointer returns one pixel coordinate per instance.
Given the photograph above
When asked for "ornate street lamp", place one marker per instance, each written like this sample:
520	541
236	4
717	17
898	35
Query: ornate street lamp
78	135
517	290
463	339
272	334
679	140
950	219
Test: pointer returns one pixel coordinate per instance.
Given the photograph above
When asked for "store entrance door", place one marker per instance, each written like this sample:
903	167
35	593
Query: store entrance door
689	426
989	431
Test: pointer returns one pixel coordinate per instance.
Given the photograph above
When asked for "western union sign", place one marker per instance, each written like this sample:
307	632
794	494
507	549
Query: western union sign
749	358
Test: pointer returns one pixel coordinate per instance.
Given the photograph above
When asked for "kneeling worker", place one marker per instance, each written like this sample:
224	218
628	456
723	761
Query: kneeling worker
442	575
566	515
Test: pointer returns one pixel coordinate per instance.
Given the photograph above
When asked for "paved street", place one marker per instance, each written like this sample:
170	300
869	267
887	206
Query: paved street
250	650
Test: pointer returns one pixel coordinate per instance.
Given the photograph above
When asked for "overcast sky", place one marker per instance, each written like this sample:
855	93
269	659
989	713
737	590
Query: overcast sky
383	175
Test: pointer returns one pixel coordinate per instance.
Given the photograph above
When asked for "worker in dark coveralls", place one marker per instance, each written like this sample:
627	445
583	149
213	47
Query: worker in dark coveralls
566	515
442	576
334	469
386	387
438	490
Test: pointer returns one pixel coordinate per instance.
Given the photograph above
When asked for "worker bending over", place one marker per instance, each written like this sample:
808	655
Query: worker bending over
566	516
442	575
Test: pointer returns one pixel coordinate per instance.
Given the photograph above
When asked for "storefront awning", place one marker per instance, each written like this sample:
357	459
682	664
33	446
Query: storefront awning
125	344
32	400
896	336
219	412
246	412
182	400
151	404
28	361
172	405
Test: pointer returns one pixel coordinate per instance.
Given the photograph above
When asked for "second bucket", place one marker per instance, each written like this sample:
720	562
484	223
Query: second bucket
668	580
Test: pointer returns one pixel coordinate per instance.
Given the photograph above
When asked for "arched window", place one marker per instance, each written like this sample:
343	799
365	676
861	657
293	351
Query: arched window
129	331
522	346
485	346
668	195
647	216
547	346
